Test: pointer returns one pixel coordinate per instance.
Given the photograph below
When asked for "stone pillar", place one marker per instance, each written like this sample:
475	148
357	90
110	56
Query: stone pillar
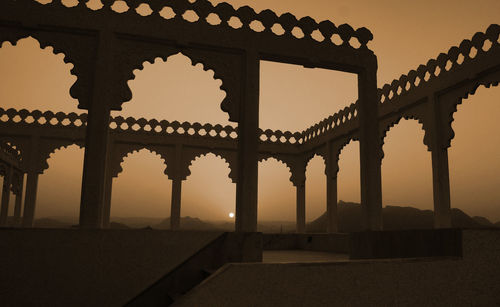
19	203
175	209
441	188
30	199
440	170
298	178
178	172
96	138
248	140
331	171
4	210
106	210
370	149
301	207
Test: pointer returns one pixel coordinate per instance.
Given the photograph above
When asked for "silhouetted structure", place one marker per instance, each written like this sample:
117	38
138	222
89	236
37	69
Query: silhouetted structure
105	47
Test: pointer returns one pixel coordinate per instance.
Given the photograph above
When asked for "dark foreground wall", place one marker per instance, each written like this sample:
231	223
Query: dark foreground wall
335	242
42	267
470	280
406	243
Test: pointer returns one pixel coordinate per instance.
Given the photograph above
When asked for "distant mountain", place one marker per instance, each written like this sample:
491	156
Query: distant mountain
48	222
396	217
137	222
187	223
483	221
116	225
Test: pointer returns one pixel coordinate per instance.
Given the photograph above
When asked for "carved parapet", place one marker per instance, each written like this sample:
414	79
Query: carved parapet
39	118
130	48
334	121
280	137
468	51
130	124
221	15
120	124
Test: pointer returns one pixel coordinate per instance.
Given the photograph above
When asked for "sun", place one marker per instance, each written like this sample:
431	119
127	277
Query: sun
231	215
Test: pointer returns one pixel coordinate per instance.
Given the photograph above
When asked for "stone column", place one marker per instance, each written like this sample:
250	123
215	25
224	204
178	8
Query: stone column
248	136
298	178
370	148
440	170
96	138
175	209
106	210
30	199
32	173
108	185
301	207
331	171
19	203
4	210
178	173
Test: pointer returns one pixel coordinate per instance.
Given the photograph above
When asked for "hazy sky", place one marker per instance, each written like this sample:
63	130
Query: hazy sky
406	34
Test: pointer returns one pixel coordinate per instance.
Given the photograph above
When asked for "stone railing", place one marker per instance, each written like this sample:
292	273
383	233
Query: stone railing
130	125
280	137
467	51
48	118
225	15
334	121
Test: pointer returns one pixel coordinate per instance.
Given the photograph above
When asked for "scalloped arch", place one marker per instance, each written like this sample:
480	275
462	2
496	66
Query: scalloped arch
51	149
276	158
281	161
395	121
465	93
72	54
132	151
224	66
220	155
313	155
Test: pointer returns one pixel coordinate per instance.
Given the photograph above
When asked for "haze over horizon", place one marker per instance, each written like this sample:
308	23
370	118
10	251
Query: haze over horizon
406	34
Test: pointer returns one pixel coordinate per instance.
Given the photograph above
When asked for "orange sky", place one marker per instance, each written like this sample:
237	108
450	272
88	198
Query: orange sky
406	34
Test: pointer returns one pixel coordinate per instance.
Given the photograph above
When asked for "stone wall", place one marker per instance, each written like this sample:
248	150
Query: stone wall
470	280
46	267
